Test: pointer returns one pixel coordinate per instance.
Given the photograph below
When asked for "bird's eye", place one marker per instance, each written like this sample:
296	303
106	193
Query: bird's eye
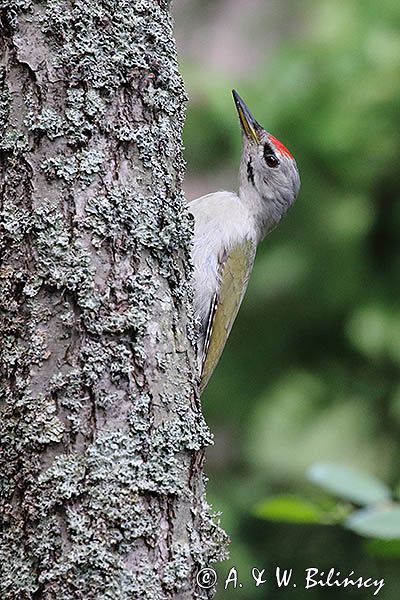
271	160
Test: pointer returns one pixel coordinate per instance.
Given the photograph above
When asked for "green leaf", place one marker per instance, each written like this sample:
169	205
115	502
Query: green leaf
383	548
350	484
379	523
289	509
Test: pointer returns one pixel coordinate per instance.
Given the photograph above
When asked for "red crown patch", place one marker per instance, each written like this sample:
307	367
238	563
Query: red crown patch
280	147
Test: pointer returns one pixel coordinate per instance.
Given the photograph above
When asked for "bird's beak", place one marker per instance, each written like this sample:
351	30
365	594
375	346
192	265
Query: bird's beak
248	122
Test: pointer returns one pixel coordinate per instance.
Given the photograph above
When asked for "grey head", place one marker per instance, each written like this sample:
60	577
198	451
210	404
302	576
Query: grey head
269	181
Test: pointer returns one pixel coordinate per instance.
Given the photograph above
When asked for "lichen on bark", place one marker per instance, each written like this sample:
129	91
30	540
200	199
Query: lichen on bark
102	433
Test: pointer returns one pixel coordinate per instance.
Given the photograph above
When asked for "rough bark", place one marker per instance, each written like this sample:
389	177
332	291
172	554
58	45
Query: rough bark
102	435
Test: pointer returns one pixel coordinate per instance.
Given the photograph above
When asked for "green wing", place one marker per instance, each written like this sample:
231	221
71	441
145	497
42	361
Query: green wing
235	269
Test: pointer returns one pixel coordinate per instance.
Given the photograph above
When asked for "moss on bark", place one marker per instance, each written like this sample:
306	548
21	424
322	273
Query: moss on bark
101	429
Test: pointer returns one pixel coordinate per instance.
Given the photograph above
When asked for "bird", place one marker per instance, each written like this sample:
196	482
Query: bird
228	227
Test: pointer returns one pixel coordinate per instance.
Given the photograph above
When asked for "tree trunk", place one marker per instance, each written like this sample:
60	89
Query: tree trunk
102	435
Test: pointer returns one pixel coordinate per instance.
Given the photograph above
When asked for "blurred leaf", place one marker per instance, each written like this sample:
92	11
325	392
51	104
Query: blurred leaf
292	425
289	509
383	548
375	331
348	483
367	330
380	523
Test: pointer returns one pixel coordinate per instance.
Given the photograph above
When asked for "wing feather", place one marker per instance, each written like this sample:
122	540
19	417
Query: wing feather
235	269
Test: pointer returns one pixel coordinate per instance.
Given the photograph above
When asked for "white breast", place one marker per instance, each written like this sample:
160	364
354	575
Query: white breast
221	220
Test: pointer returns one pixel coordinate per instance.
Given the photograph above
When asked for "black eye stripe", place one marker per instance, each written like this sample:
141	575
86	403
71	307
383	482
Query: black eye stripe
268	149
250	171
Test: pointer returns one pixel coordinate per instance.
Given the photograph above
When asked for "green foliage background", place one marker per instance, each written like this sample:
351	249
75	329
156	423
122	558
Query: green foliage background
311	370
